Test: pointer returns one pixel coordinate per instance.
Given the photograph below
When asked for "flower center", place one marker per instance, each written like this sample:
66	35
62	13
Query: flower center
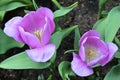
91	53
38	33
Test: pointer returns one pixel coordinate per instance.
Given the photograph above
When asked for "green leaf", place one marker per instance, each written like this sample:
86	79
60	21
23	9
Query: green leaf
58	28
113	24
52	60
49	77
76	38
35	5
117	54
70	51
117	41
26	11
101	6
41	77
65	70
102	3
114	73
7	5
22	61
2	13
109	26
104	13
58	36
56	3
7	43
64	10
100	26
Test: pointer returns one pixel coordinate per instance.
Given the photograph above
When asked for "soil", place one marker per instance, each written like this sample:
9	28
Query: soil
84	15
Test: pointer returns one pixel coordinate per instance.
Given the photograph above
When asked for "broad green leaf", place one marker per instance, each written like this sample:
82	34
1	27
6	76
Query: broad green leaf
76	38
117	54
100	26
7	43
109	26
114	73
22	61
65	70
7	5
101	6
58	36
64	10
2	13
113	24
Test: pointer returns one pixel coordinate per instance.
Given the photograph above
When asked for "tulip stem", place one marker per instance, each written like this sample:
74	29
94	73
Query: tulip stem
56	3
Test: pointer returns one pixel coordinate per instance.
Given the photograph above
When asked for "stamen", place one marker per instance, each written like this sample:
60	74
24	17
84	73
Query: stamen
38	33
91	53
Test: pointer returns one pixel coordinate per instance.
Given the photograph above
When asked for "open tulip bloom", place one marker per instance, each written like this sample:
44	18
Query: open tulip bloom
92	51
34	29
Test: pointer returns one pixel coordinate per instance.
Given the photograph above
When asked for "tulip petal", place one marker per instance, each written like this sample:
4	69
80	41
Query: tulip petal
29	38
79	67
49	14
82	52
11	28
89	34
42	54
99	48
46	12
46	33
32	21
112	48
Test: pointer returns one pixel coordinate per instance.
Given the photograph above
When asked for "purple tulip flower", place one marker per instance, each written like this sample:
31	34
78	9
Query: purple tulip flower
34	29
92	51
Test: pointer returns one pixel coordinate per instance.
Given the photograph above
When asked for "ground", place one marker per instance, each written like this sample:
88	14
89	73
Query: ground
84	15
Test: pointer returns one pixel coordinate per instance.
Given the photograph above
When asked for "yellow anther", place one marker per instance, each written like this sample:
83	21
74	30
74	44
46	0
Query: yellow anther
91	53
38	33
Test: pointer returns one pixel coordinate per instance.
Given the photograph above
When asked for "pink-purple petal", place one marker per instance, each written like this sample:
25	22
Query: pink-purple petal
42	54
11	28
32	21
49	15
46	12
89	34
112	48
101	49
82	53
46	35
80	67
29	38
